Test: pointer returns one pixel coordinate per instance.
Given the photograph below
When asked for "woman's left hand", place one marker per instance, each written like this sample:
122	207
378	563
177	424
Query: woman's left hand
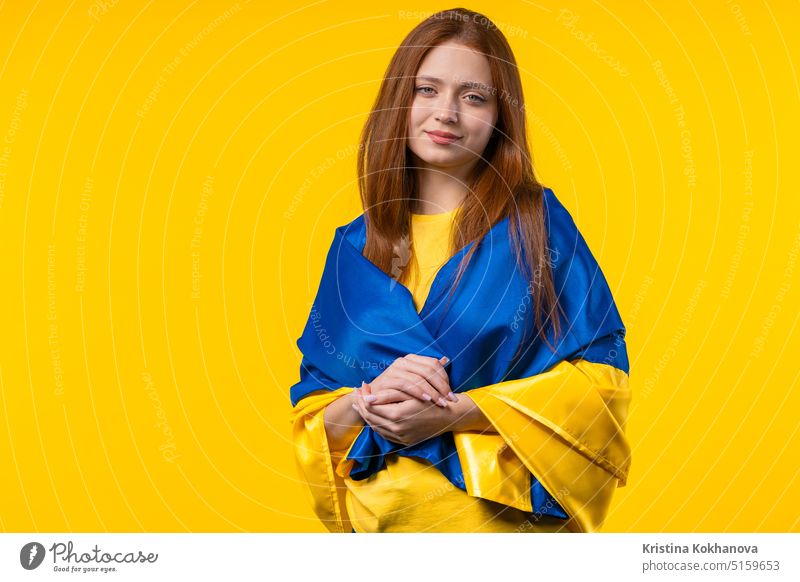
408	422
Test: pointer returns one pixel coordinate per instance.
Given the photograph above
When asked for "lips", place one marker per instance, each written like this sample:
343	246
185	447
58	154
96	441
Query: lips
443	137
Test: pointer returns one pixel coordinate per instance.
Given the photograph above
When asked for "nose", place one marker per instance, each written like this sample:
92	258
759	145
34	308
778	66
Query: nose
446	116
446	113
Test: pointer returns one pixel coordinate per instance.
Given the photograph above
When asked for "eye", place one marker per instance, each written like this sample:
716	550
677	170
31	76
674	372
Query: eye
422	90
478	98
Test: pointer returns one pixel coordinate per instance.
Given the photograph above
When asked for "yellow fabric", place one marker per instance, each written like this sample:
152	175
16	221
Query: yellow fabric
315	460
564	426
410	495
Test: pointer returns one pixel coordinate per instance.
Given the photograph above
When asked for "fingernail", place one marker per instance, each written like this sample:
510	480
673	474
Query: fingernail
370	398
427	396
442	402
452	397
446	359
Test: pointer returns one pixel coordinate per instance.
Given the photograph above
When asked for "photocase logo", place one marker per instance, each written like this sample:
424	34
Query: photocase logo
31	555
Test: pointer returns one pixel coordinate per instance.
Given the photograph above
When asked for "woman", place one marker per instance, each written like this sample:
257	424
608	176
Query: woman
464	364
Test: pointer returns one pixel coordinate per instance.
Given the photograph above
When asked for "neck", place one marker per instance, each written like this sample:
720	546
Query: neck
438	191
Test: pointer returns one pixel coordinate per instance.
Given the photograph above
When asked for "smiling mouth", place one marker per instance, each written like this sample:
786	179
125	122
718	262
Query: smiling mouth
442	137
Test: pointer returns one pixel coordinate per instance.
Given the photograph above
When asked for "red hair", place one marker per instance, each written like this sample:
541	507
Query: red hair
502	182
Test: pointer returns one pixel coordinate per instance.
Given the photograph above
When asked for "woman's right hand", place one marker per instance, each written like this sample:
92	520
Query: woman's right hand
412	376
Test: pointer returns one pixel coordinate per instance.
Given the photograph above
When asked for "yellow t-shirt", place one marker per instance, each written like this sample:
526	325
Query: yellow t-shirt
430	249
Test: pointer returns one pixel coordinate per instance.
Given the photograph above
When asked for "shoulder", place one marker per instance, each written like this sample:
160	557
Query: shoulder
354	232
572	260
555	213
586	295
565	242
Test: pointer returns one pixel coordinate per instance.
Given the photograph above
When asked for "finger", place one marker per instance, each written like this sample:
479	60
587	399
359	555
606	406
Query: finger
417	386
378	422
366	388
432	369
392	412
400	414
388	432
443	360
358	410
390	395
359	405
413	385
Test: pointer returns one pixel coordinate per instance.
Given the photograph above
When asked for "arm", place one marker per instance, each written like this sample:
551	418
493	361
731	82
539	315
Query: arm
469	417
342	422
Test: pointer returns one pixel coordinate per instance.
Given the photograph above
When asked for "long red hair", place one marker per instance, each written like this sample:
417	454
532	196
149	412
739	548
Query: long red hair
502	183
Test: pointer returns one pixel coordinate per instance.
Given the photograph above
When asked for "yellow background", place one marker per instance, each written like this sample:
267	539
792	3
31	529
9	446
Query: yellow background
170	177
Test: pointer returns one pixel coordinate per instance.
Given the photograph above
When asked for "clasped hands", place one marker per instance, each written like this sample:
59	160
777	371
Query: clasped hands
411	401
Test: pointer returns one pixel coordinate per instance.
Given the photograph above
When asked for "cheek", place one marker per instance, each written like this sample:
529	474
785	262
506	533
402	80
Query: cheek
416	115
482	126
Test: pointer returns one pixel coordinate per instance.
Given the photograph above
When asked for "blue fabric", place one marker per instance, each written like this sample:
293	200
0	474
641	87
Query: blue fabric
362	320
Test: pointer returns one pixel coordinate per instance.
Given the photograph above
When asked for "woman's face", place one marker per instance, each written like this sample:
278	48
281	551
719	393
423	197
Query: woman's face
453	94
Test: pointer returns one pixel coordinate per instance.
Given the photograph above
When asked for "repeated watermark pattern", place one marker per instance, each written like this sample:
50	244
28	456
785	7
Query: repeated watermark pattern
20	105
52	322
169	449
443	489
687	151
100	8
509	30
777	303
330	347
569	20
557	495
680	334
82	236
744	225
521	313
500	95
741	20
550	138
169	69
197	233
638	300
316	173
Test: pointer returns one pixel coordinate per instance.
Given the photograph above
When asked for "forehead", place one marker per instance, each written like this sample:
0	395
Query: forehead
455	62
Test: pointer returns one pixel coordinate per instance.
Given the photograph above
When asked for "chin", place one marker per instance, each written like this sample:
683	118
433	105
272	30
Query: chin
442	163
440	158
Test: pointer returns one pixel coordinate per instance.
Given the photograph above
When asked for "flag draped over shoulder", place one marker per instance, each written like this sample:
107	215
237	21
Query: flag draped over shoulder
559	414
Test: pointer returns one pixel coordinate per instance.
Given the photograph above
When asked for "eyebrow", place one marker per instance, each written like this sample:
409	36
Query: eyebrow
470	84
